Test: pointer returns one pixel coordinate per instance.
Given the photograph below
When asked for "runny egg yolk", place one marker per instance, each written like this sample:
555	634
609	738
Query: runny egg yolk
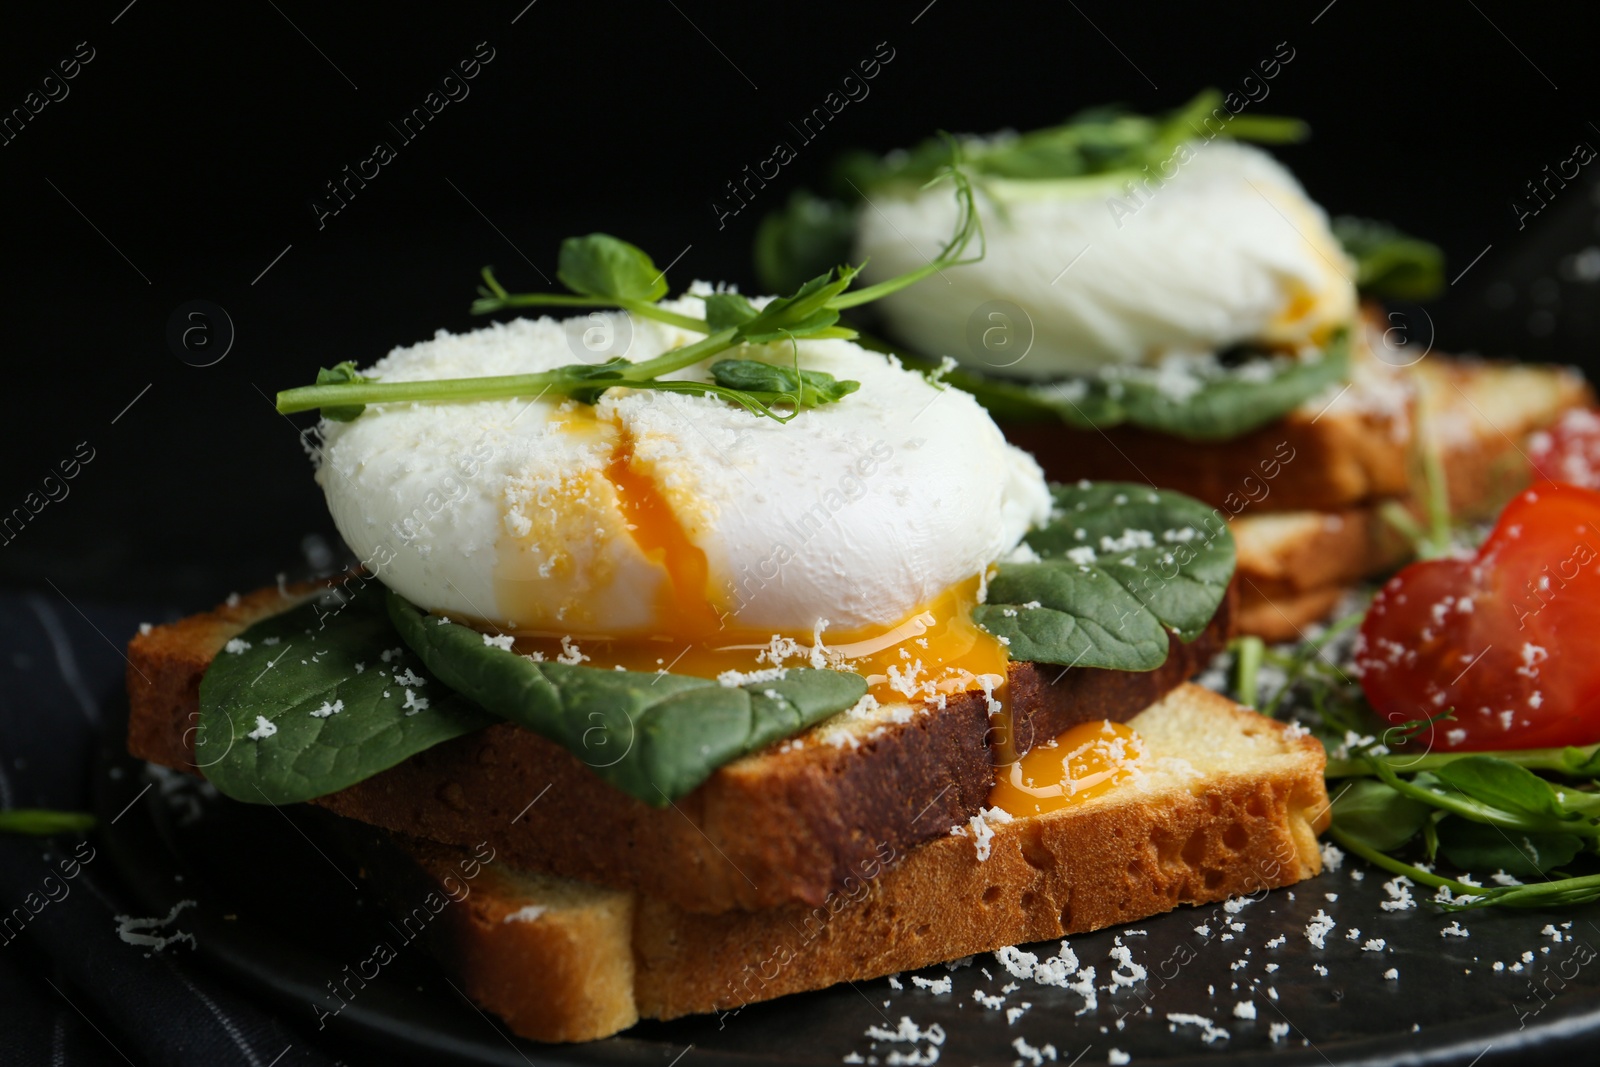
660	537
1085	761
934	653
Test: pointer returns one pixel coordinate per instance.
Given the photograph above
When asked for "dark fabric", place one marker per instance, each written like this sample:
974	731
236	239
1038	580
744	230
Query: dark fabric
72	991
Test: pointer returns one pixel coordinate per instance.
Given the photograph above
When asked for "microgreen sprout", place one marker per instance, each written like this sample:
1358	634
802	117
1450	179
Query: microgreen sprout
602	271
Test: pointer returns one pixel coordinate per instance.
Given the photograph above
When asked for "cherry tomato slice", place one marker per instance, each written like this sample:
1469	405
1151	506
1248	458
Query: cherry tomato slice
1569	451
1509	638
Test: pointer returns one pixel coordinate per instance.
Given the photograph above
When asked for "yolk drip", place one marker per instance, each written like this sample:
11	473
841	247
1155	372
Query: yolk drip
934	653
659	535
1084	762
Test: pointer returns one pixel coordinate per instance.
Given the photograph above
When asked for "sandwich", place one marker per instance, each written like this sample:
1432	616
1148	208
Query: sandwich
1162	302
743	659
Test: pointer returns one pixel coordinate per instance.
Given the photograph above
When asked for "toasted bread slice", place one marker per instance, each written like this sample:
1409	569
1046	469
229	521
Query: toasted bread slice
1353	448
895	777
1227	803
1479	415
1349	447
1295	566
1299	551
1284	615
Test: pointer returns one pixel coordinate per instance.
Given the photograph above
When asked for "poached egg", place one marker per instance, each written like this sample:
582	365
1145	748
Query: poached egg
1218	246
654	529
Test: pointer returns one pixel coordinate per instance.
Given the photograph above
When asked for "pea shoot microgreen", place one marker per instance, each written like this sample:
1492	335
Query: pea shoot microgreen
1527	819
603	271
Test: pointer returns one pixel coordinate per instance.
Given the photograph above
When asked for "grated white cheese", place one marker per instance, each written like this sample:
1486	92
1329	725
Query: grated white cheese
1399	894
1124	959
907	1032
1210	1032
1035	1056
734	679
133	931
981	826
1318	929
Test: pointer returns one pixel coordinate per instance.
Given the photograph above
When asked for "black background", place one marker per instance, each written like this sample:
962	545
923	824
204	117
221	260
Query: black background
189	149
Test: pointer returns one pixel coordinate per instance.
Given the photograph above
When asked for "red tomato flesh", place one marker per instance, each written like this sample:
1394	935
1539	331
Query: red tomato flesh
1509	638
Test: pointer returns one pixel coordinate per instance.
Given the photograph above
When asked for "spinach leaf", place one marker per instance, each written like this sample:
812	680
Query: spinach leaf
1390	263
654	736
1473	846
604	266
319	698
1119	566
1378	815
1201	400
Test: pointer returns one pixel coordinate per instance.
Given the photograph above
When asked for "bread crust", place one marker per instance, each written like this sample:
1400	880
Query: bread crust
1290	553
1116	859
1301	461
1283	614
574	948
1479	413
715	849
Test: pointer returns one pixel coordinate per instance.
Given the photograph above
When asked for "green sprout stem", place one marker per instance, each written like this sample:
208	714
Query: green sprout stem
1394	866
606	272
1534	759
1477	811
1250	651
44	821
502	300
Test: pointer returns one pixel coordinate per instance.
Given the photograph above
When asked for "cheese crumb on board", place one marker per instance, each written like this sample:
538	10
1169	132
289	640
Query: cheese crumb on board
1318	929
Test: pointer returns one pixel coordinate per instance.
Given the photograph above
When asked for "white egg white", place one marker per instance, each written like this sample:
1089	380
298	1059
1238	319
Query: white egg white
1116	269
856	513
